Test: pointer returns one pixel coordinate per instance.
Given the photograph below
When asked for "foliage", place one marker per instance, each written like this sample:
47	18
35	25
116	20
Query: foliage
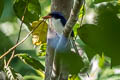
1	6
27	8
8	73
32	77
99	34
101	73
100	31
42	50
31	61
39	36
37	65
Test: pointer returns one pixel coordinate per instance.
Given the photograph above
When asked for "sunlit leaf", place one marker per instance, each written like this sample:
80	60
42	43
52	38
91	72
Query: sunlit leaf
40	73
42	50
39	36
73	77
102	61
32	77
31	61
75	28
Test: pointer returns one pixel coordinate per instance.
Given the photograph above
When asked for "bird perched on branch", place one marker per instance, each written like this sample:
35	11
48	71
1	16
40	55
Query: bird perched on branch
59	46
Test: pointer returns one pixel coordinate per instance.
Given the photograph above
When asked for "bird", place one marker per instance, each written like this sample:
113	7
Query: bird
54	37
58	21
60	45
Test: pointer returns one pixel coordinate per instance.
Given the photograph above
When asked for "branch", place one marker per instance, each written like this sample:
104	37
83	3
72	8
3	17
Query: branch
22	19
20	41
73	17
63	47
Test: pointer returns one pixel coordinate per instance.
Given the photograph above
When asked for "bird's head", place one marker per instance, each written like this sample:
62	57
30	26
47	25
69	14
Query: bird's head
56	16
58	20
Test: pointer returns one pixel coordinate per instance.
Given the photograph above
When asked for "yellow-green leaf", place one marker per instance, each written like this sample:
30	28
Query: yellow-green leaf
39	36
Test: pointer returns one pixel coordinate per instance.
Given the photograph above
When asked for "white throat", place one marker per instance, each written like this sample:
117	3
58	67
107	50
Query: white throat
57	25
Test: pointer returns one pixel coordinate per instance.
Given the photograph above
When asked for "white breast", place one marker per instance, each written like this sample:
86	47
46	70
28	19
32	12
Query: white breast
57	25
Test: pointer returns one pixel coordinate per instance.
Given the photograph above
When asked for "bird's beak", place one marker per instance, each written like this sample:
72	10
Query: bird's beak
46	17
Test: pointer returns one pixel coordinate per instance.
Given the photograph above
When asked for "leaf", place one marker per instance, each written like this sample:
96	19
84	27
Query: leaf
1	6
75	28
74	77
42	75
110	74
31	61
101	35
8	73
45	6
1	64
101	73
39	36
102	61
33	10
92	3
42	50
6	42
11	74
99	1
32	77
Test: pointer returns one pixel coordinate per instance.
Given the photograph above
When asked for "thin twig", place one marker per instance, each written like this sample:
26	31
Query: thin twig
22	19
4	54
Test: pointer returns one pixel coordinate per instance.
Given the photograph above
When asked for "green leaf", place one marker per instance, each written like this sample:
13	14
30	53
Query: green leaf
105	72
74	77
92	3
99	1
72	61
11	74
6	42
8	73
33	10
31	61
1	64
45	6
75	28
101	35
42	50
1	6
110	74
32	77
102	61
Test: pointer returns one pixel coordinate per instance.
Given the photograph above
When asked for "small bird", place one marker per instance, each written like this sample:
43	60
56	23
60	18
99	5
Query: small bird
58	21
61	46
54	38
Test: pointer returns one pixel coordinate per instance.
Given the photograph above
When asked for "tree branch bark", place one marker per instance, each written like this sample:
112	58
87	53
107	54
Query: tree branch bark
73	17
65	7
